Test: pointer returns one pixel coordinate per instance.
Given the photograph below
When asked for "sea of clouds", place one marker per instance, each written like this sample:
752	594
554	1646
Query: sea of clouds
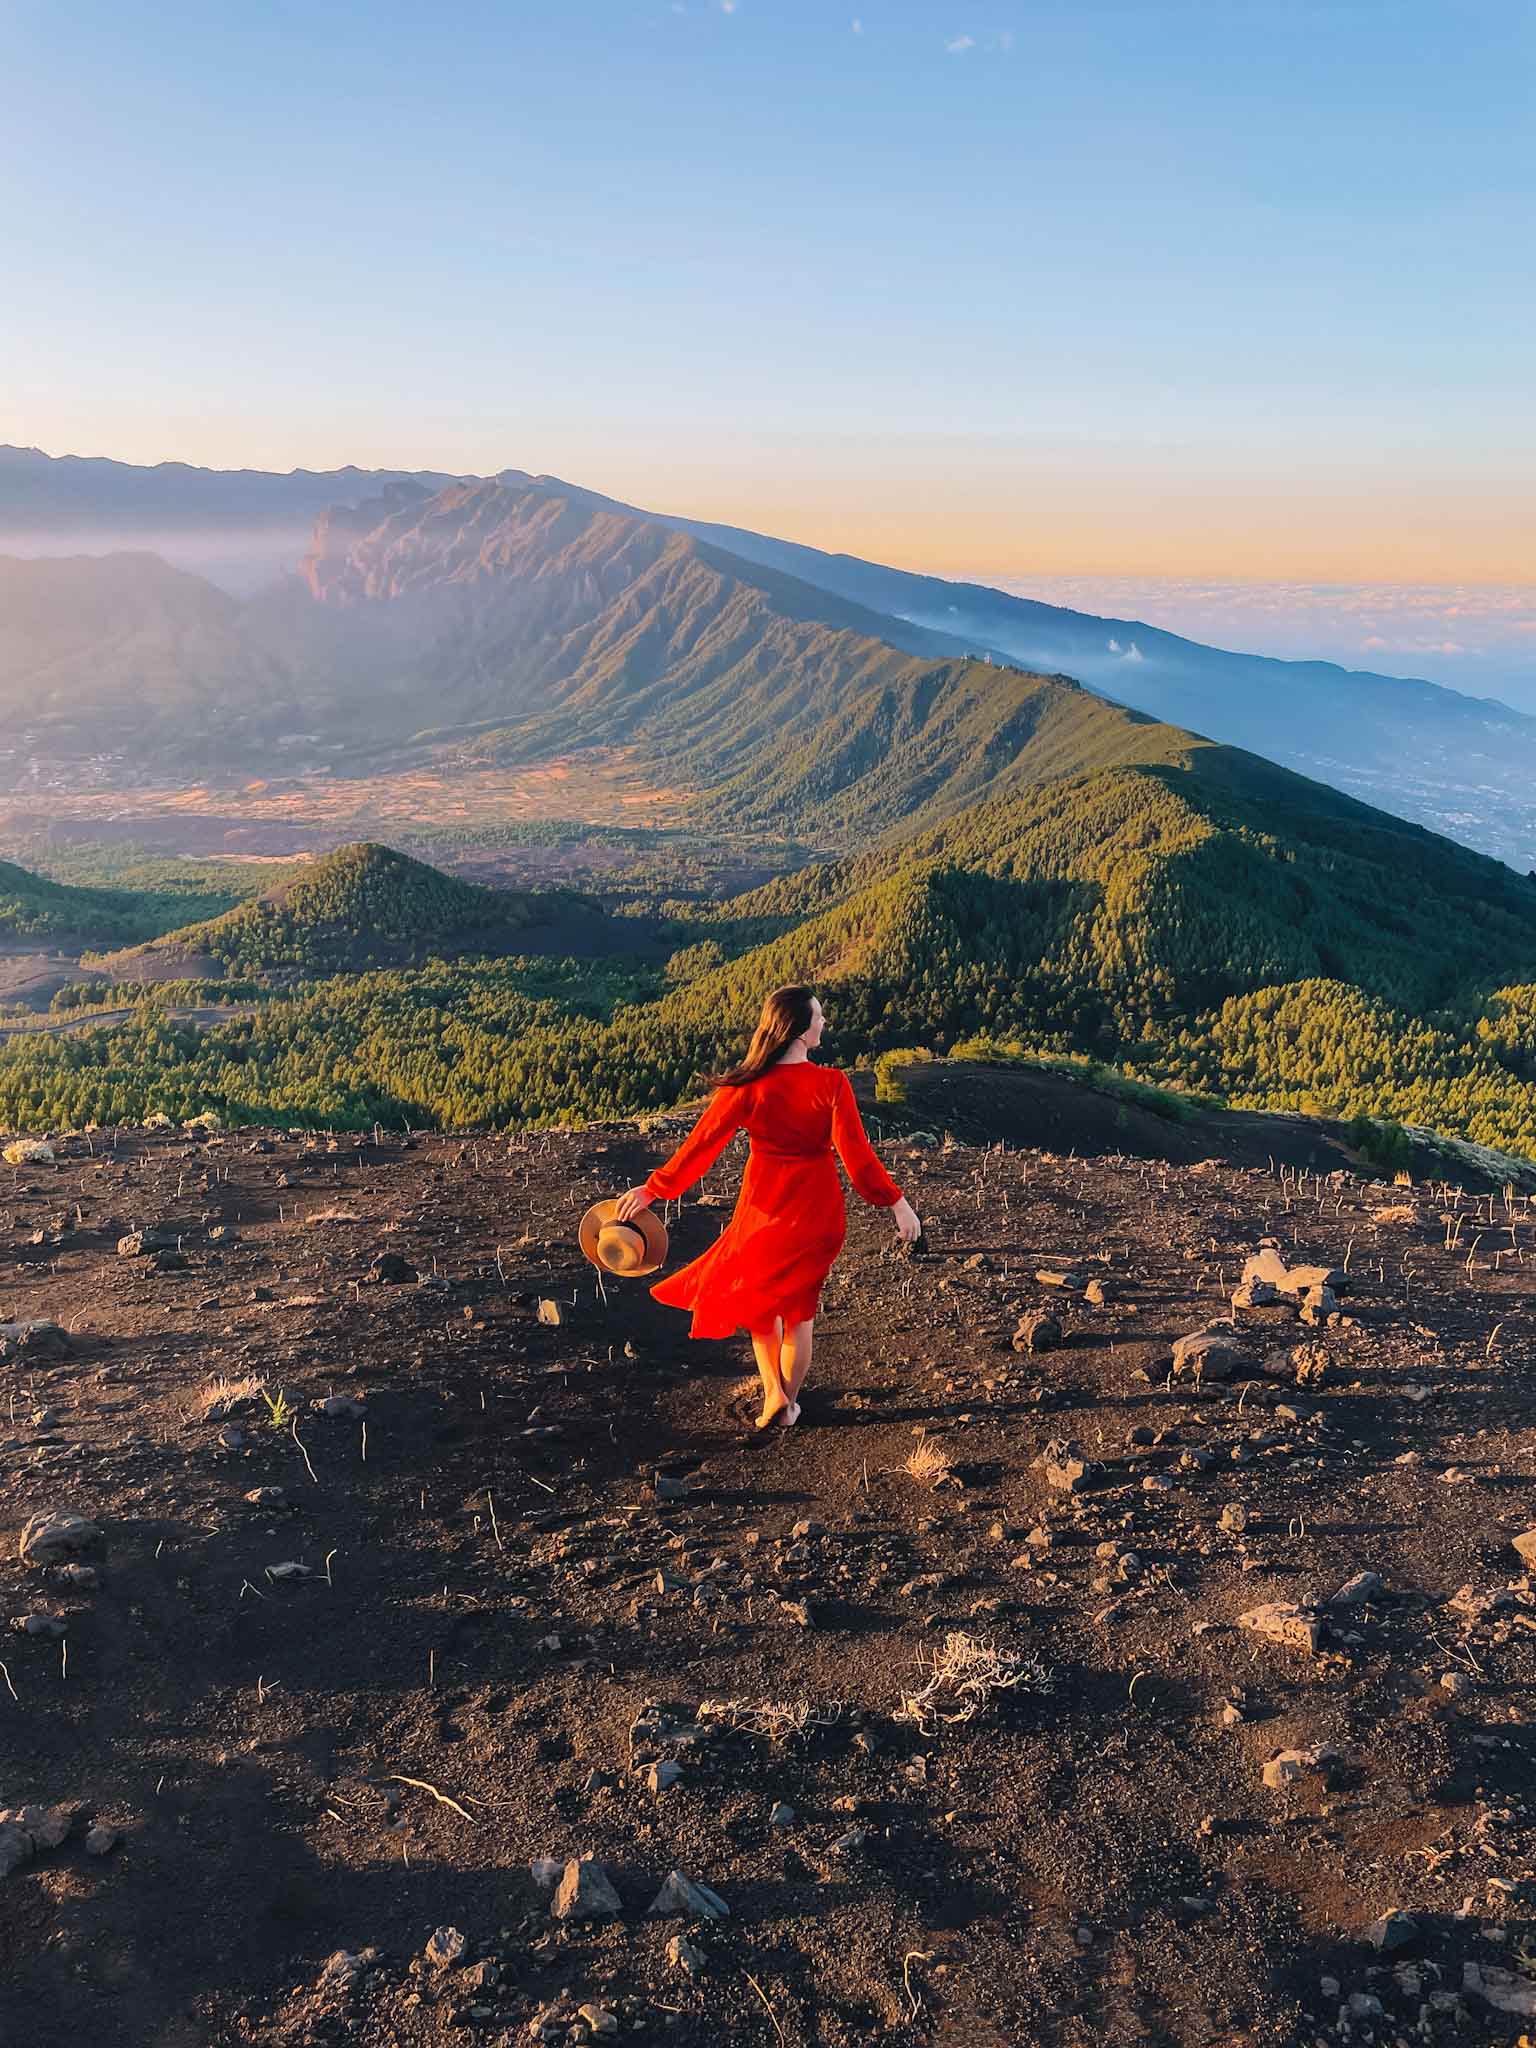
1480	638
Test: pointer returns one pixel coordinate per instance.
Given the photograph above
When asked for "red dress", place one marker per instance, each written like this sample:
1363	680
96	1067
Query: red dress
774	1254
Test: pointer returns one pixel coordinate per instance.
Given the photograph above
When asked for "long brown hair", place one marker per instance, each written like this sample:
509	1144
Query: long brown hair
786	1013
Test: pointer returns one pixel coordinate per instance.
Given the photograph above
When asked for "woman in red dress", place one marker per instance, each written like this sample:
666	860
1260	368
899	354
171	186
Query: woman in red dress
764	1273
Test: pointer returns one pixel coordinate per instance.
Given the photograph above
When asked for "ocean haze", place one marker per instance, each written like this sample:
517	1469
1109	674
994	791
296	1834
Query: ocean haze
1476	638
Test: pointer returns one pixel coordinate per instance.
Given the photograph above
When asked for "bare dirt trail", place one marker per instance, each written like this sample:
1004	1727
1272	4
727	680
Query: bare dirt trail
205	1014
341	1681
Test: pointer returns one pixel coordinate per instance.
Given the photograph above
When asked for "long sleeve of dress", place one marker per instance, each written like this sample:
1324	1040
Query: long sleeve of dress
870	1179
700	1149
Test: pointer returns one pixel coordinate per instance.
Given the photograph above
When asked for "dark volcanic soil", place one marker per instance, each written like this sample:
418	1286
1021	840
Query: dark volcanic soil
494	1590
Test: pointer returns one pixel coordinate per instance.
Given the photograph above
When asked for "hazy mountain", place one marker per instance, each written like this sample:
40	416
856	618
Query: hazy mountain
125	654
506	601
241	528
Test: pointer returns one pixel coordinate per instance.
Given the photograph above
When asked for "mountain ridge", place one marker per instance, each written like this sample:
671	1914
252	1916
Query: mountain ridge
366	649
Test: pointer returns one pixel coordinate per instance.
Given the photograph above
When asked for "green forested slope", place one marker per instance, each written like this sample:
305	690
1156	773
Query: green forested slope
361	904
32	907
1215	927
1022	859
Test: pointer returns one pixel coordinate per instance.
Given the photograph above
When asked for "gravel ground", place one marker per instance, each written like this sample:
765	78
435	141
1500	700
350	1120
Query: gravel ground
327	1708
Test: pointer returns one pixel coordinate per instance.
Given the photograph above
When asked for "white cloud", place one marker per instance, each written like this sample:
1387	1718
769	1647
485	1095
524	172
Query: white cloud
1475	637
960	45
857	26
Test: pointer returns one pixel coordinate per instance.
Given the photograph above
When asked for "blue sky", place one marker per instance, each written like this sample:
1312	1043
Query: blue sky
1212	289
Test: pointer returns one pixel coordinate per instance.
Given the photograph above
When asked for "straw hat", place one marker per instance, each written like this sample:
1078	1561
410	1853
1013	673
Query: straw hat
627	1249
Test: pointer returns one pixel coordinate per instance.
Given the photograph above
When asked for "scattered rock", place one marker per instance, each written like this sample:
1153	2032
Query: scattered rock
1066	1469
46	1625
1525	1544
681	1895
585	1892
1268	1265
1393	1932
1289	1766
56	1533
1282	1621
38	1339
1502	1989
1067	1278
446	1947
1208	1354
153	1237
686	1956
1318	1304
1359	1591
1312	1364
345	1970
1038	1331
41	1827
15	1847
101	1840
389	1269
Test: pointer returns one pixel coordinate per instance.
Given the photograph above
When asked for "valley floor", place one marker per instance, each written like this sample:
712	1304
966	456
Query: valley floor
530	1552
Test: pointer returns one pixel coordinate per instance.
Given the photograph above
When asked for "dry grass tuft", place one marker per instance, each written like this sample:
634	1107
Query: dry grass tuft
930	1464
963	1678
778	1720
29	1152
221	1398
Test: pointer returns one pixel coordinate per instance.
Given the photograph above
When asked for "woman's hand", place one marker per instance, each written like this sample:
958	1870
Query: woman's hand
630	1204
905	1218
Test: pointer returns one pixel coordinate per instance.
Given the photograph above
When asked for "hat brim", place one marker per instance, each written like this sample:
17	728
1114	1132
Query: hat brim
649	1225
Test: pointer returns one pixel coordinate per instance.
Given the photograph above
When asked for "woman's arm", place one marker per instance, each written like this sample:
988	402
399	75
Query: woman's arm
699	1150
870	1179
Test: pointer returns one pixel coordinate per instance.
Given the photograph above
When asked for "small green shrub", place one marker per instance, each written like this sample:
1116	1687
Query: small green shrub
889	1085
1380	1142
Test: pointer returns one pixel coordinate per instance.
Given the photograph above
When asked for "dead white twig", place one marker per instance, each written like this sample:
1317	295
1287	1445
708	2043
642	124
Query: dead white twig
421	1785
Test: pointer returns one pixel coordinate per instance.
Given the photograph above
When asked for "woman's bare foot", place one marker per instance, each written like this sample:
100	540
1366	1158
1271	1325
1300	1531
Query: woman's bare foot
765	1348
773	1412
789	1414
